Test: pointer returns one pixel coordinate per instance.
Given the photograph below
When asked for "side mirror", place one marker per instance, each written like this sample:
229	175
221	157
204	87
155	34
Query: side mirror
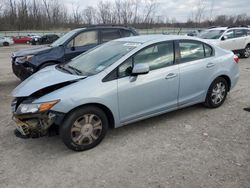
224	38
140	68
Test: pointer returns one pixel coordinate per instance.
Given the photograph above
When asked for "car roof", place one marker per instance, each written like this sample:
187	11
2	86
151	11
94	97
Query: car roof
219	28
155	38
226	28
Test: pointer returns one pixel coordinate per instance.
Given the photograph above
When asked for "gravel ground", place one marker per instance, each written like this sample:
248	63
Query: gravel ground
192	147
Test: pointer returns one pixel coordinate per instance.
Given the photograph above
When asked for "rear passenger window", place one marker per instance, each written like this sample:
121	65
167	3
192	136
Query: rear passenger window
110	34
191	51
248	32
239	33
126	33
208	50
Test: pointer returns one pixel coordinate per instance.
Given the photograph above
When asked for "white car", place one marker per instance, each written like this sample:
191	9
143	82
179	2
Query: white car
6	41
236	39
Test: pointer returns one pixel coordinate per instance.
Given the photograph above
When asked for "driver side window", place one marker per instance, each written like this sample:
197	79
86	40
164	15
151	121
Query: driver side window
229	34
83	39
156	56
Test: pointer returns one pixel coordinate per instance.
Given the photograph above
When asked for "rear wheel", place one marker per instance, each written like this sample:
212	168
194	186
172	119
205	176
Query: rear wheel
246	52
217	93
84	128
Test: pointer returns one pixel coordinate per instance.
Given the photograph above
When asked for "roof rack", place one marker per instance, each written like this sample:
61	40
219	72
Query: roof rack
106	25
237	26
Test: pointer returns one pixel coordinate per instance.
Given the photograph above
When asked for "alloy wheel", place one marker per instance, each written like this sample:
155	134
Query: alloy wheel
218	93
247	51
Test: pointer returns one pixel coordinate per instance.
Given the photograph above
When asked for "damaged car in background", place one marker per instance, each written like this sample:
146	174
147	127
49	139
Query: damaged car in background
120	82
28	61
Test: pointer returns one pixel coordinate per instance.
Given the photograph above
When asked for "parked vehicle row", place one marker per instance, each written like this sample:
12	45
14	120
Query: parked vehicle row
29	39
115	83
45	39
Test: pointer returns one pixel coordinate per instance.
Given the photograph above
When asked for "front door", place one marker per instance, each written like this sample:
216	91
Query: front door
152	93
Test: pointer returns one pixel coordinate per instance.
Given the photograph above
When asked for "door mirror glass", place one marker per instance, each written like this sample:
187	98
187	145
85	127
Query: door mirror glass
140	68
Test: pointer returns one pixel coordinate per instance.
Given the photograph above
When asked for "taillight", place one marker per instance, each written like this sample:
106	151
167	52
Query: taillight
236	59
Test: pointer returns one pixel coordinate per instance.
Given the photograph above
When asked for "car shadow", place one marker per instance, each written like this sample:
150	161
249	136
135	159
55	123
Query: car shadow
55	147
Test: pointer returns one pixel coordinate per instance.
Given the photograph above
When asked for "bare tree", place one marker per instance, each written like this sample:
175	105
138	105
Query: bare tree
89	15
200	10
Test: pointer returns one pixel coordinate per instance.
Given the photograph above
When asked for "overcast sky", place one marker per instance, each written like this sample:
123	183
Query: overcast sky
182	9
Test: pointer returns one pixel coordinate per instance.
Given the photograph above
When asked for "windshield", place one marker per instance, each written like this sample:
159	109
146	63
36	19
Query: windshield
63	38
97	59
211	34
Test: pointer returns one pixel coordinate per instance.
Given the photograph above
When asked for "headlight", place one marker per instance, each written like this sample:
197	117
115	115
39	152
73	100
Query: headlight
24	58
35	108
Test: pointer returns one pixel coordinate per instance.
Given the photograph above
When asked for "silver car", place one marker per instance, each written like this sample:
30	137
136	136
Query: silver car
120	82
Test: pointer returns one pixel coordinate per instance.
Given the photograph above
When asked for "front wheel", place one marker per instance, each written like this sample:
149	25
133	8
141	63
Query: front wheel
217	93
84	128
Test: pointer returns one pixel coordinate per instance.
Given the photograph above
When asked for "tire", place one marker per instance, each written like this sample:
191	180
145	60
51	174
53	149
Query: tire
6	44
246	52
84	128
217	93
45	65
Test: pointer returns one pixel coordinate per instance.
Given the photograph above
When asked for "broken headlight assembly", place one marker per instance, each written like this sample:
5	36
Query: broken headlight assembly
35	107
23	59
34	119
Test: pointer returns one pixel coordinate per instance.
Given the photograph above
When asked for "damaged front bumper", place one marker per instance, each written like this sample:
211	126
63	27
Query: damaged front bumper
37	124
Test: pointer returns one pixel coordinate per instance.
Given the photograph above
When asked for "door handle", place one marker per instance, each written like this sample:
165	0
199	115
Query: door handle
209	65
170	75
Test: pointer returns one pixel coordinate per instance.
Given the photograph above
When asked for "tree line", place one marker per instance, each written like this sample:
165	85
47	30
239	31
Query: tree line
52	14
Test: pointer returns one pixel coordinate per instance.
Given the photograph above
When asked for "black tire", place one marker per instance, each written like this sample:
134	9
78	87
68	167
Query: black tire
210	98
246	52
45	65
66	130
6	44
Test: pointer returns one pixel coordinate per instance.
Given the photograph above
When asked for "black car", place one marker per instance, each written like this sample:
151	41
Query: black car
45	39
28	61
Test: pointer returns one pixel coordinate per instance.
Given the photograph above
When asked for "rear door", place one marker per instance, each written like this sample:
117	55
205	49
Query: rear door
196	66
154	92
81	43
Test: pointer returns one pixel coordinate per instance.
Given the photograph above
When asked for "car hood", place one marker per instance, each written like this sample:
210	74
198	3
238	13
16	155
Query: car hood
46	77
32	51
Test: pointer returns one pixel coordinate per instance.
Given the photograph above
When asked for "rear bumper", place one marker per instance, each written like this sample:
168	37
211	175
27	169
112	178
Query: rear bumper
235	80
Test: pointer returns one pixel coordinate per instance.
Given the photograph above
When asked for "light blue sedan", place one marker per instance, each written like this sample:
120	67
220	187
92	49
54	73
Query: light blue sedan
120	82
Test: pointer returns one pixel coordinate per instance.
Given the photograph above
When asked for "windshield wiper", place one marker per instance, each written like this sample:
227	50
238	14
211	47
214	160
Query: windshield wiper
64	69
75	70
